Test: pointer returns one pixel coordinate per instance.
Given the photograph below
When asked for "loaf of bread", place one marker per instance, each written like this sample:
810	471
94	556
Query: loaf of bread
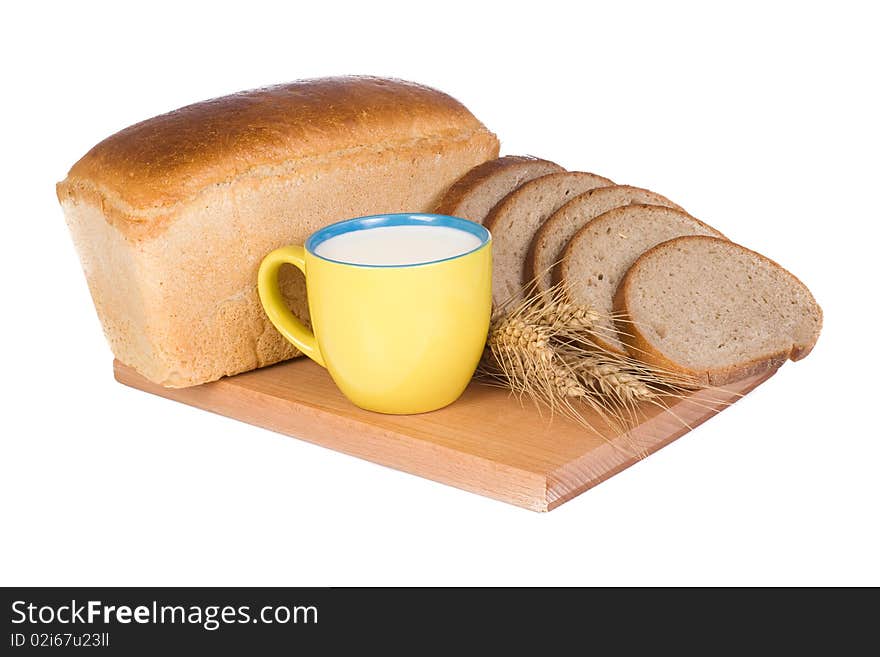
715	311
172	216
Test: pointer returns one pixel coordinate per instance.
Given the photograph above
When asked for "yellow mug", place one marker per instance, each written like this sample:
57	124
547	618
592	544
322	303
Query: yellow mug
395	338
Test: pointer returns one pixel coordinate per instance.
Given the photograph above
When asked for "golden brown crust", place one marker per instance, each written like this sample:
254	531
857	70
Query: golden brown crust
466	184
140	174
643	349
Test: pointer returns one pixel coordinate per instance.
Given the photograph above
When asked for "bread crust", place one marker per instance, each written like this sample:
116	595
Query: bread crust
174	278
141	175
462	189
641	348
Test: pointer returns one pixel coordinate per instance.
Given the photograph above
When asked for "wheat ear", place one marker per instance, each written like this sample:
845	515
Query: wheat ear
610	378
524	354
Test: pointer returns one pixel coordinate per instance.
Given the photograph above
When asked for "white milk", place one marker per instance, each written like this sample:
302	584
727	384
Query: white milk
397	245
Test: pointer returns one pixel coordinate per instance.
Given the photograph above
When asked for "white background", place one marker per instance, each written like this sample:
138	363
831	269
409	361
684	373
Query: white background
761	120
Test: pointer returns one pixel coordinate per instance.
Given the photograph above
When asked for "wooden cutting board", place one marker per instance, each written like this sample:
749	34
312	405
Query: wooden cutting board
487	442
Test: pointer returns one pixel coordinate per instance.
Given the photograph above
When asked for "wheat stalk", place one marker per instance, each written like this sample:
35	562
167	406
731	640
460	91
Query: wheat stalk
564	316
544	348
523	353
613	379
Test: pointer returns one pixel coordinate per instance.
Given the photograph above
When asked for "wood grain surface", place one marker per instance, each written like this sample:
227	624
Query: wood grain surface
487	442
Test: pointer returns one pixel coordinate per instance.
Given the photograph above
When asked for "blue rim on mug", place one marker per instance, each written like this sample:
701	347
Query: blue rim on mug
398	219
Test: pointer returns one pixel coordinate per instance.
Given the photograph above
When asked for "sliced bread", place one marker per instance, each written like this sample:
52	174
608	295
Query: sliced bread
715	311
550	240
514	220
477	191
600	253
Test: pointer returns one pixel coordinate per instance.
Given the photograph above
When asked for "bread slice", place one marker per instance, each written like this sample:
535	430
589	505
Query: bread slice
598	256
515	219
474	194
554	234
715	311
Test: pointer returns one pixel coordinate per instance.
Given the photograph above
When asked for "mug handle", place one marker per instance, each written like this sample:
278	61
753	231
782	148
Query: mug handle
275	306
